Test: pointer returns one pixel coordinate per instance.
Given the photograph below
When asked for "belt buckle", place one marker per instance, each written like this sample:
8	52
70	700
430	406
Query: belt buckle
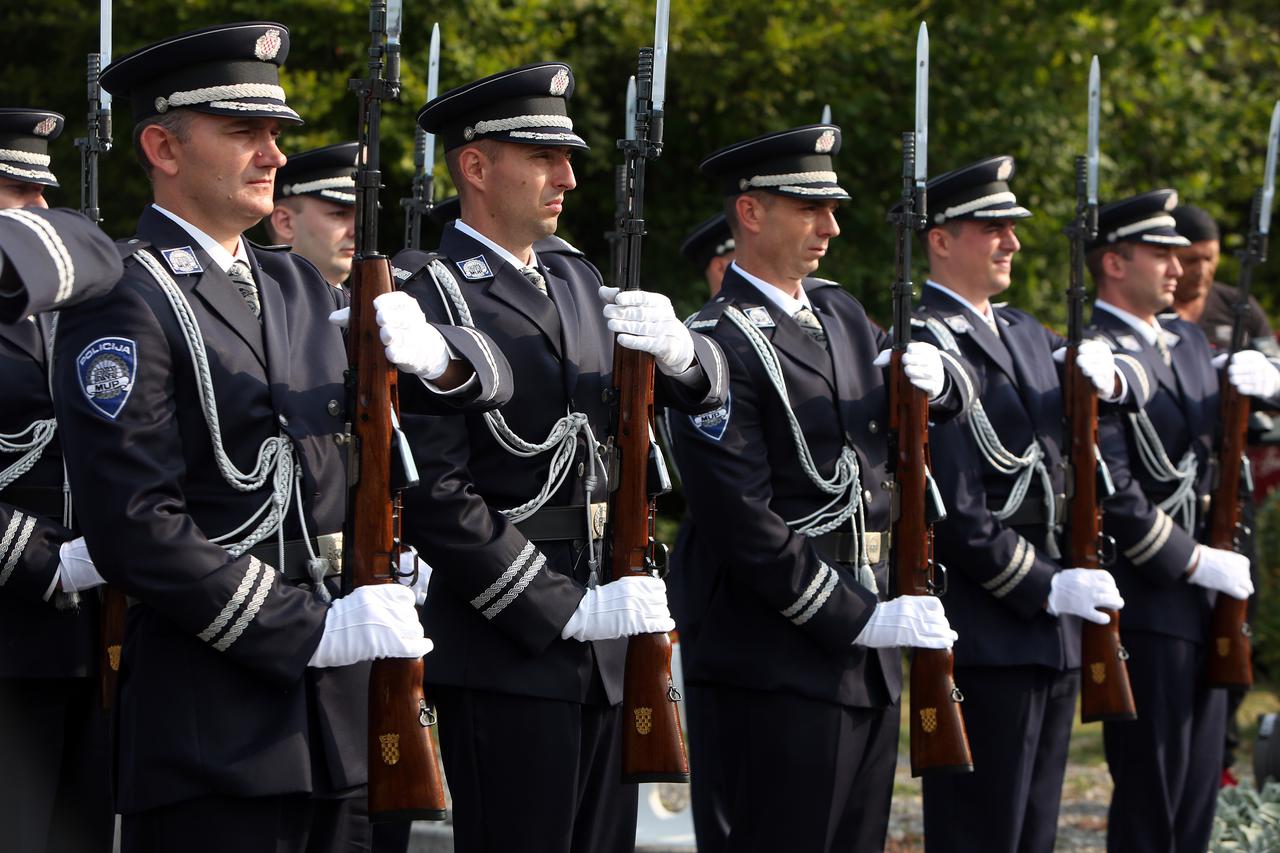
873	542
599	519
330	550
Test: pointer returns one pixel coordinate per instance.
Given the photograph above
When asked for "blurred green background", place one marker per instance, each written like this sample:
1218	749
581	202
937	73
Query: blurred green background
1187	92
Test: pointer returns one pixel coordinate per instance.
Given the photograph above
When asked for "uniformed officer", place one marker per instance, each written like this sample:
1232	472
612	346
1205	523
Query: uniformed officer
1201	299
56	790
315	212
528	666
709	247
999	470
199	402
1167	763
797	656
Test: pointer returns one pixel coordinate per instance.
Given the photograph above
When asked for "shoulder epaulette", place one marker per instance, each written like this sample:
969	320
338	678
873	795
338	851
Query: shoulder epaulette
130	246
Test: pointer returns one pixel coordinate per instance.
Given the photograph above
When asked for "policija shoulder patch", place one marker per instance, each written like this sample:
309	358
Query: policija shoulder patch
107	368
712	424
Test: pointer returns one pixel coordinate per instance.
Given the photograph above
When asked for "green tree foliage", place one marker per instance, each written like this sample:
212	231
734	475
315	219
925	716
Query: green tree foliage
1187	91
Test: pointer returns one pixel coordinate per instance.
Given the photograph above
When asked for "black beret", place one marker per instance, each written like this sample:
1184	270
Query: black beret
1195	223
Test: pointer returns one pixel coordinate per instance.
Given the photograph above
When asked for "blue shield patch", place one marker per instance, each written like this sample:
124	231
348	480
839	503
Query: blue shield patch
182	261
107	368
475	268
713	424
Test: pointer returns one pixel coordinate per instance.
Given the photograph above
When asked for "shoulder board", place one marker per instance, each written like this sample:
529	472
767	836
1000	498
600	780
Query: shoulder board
408	262
131	246
708	317
275	247
555	245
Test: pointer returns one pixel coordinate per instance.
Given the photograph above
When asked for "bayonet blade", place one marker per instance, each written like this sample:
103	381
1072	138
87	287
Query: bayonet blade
826	114
1269	173
630	126
1091	157
922	104
433	89
395	18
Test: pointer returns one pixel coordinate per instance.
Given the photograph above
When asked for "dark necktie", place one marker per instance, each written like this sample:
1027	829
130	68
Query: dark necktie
239	273
809	322
535	278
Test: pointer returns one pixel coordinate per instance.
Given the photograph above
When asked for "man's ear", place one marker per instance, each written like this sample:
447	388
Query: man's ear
1113	264
473	167
751	213
282	224
160	147
939	242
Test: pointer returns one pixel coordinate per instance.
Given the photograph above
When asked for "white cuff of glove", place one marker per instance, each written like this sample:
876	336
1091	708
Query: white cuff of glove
413	345
76	571
1223	571
915	621
409	560
623	608
1080	592
646	322
1251	372
922	365
373	622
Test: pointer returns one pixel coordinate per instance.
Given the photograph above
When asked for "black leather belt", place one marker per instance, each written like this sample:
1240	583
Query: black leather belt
843	547
44	501
297	556
1031	514
561	523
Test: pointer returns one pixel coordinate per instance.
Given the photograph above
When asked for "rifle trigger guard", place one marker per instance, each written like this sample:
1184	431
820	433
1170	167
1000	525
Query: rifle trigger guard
426	714
938	579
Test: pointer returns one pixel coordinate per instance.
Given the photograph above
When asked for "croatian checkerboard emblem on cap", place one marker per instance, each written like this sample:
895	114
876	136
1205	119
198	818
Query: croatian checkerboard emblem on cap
267	45
475	268
45	127
560	83
825	142
182	261
107	368
712	424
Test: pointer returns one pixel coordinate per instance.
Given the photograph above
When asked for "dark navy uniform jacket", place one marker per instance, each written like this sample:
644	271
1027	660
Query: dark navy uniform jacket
999	571
51	259
215	694
37	640
1152	550
772	611
498	602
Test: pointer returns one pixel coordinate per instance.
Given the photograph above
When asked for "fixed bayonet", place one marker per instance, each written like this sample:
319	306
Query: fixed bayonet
1269	173
922	108
826	114
421	199
1091	158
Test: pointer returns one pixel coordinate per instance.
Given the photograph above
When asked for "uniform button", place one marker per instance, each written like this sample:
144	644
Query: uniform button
873	427
866	496
333	408
134	240
284	422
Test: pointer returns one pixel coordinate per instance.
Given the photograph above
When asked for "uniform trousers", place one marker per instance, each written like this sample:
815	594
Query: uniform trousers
534	775
707	787
1166	765
1018	719
800	773
290	823
55	771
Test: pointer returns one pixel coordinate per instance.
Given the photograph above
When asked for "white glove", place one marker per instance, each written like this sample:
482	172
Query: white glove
623	608
923	366
413	344
1252	374
1224	571
917	621
1080	592
1097	363
375	621
76	571
419	586
646	321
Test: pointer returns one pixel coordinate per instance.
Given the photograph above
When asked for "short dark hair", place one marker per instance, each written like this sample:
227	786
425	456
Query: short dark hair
1093	260
177	122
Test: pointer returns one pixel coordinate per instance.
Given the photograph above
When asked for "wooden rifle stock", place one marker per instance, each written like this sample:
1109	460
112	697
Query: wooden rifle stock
405	780
939	742
1105	692
1230	663
653	747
